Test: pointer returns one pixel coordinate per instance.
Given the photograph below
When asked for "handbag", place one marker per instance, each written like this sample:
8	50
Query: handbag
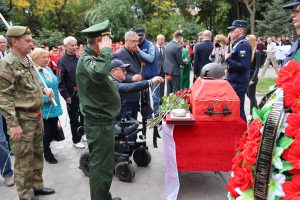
59	136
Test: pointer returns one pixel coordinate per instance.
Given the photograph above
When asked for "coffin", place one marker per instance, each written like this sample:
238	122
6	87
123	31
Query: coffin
214	100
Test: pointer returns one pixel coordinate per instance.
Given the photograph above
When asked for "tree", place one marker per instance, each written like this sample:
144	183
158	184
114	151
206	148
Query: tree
251	7
276	20
211	14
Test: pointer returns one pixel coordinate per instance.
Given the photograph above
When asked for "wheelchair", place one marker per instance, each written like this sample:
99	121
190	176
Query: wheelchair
126	145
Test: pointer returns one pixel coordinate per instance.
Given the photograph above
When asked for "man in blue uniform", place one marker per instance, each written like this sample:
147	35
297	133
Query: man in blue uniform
239	60
294	52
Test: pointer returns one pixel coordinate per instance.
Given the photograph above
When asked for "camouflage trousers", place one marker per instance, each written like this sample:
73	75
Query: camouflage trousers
28	152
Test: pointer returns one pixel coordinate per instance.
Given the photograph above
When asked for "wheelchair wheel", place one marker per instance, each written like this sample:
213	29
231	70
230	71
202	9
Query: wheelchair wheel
84	163
125	171
142	157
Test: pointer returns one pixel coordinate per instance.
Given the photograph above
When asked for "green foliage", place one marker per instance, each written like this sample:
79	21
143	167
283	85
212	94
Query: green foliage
286	166
49	37
168	26
211	15
284	142
119	12
276	20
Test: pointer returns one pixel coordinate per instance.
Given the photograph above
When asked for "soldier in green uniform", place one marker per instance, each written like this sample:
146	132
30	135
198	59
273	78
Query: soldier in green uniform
21	97
100	104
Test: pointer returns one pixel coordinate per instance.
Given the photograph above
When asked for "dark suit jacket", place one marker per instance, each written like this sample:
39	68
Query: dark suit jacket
160	57
135	68
67	81
201	55
173	58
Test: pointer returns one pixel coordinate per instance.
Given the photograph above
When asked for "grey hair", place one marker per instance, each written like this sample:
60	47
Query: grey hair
207	33
128	34
3	38
160	36
68	39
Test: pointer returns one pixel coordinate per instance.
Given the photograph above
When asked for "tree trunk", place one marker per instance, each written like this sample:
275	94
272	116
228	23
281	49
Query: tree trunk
238	9
251	7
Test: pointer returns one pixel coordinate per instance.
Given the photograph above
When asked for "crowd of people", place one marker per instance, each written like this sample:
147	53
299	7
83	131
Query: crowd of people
101	82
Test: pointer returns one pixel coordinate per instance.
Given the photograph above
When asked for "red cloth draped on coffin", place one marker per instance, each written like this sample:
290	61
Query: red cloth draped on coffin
207	146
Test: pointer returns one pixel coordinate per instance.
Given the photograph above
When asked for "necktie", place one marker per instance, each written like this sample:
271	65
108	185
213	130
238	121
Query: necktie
160	52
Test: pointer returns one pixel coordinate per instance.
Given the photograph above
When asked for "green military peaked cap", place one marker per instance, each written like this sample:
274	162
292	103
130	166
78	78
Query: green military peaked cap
98	30
15	31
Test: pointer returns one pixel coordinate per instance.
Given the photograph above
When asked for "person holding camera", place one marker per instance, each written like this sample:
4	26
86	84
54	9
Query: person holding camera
218	53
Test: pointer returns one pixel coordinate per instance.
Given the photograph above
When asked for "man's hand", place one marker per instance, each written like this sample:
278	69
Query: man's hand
49	93
137	77
157	79
16	133
227	55
105	42
69	100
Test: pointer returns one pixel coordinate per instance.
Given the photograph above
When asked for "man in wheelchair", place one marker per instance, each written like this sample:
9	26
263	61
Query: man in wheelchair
126	128
118	72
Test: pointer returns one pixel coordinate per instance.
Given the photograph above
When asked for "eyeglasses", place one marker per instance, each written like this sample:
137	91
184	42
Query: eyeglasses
133	41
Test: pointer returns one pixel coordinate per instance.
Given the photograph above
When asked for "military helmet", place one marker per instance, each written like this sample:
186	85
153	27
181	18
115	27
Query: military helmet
213	70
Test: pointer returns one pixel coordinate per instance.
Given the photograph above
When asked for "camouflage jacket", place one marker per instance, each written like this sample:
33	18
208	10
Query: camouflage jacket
19	87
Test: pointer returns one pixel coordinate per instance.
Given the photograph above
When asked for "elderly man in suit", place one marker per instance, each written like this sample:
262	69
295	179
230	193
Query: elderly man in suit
172	62
202	53
160	52
129	55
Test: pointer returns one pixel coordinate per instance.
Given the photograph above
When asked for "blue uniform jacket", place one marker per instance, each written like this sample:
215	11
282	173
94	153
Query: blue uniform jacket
292	52
239	62
127	88
48	109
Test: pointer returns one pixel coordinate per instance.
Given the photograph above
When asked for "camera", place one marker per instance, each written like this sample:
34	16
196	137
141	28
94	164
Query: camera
217	44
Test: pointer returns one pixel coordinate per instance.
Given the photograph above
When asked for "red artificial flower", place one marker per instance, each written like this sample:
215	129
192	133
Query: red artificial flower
254	131
292	188
237	161
293	128
75	88
250	152
231	189
292	154
168	77
242	143
143	64
287	74
294	171
292	96
243	178
39	114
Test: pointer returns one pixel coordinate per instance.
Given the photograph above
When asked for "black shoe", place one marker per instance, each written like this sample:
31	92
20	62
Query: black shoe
31	198
51	159
44	191
116	198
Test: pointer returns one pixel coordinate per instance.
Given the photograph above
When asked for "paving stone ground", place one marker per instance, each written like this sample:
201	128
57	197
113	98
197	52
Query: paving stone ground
71	184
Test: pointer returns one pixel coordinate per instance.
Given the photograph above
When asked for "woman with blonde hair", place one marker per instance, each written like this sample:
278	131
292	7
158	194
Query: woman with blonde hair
218	53
50	112
254	68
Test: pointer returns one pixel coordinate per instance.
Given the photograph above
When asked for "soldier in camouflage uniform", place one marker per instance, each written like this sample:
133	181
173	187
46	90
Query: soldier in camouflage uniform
21	97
